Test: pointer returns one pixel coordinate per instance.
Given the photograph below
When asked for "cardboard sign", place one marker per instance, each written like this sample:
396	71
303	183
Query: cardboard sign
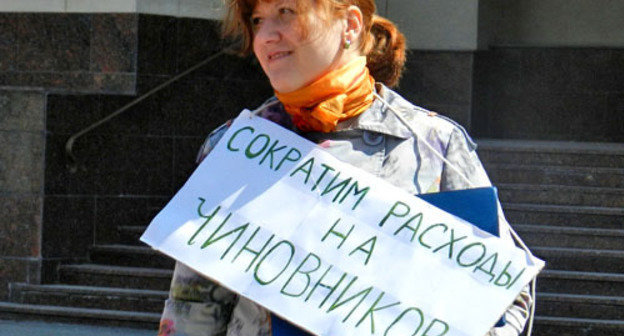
332	248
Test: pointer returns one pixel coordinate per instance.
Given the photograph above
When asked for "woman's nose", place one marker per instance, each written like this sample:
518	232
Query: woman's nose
267	32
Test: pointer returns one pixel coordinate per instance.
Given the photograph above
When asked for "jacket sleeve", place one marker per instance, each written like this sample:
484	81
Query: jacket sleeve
461	152
197	306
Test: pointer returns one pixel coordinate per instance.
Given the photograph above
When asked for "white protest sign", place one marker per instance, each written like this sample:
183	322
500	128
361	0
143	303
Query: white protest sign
332	248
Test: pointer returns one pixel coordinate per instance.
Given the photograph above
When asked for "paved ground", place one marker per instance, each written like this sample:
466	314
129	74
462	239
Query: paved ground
36	328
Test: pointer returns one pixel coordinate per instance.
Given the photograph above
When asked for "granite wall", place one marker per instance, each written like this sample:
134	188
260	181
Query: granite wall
22	145
69	52
130	167
571	94
440	81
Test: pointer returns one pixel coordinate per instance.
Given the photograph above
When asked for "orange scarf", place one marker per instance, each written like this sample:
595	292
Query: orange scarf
336	96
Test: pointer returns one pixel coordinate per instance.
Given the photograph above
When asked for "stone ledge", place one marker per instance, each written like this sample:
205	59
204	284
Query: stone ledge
211	9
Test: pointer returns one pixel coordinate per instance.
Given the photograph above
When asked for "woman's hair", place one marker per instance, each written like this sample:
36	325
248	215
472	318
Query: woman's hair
381	41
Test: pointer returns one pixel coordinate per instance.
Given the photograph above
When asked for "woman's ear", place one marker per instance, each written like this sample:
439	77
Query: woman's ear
355	24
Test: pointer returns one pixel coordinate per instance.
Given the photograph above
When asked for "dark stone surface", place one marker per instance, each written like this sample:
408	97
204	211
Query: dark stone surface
197	39
27	79
49	269
439	80
112	212
85	278
146	118
11	270
21	162
22	111
68	226
114	83
615	105
114	43
186	150
67	114
145	83
34	270
79	82
549	116
549	94
111	164
231	66
617	70
52	42
7	43
69	52
202	105
104	53
567	70
75	82
20	225
157	45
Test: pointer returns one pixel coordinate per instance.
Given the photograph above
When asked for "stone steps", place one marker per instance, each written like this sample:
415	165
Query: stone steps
123	299
580	306
130	255
583	283
137	319
570	203
565	326
551	153
565	215
561	195
130	234
571	237
115	276
582	260
556	175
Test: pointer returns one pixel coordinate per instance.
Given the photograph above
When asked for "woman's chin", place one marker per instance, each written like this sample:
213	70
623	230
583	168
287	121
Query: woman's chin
284	87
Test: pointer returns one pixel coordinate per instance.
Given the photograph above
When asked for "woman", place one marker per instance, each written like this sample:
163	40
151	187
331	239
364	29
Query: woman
328	61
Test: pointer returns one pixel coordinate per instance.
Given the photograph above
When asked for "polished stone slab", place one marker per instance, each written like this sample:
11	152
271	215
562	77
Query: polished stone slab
37	328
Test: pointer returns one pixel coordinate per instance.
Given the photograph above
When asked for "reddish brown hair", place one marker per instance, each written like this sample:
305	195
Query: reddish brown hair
381	41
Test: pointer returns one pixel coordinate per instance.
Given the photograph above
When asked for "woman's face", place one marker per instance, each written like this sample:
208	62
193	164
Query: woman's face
289	59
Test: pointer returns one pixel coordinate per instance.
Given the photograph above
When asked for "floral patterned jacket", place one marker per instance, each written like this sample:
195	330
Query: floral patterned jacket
376	141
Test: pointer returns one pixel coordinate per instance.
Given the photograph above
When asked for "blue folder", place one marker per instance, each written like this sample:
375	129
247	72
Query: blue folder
477	206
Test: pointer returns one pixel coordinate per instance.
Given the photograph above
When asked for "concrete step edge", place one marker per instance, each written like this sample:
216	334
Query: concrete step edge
568	230
581	322
560	188
580	298
578	252
592	210
91	290
118	270
580	275
539	146
132	228
91	313
554	168
124	248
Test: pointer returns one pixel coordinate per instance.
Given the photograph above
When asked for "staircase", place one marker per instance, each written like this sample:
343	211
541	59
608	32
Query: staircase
566	201
124	284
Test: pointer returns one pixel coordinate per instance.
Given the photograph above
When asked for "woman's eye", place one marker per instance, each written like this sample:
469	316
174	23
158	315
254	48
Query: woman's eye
255	21
286	10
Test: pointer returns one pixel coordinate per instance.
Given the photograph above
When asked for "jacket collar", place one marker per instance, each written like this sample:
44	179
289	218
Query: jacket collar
379	118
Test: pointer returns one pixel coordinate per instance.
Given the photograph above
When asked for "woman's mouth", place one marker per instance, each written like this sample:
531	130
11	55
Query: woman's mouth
278	55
